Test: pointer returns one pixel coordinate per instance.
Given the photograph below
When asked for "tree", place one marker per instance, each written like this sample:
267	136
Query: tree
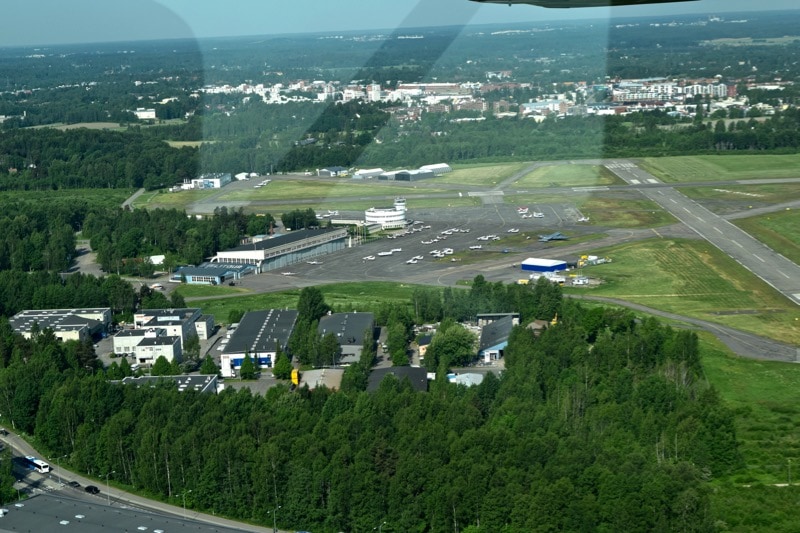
235	316
311	304
248	370
209	367
191	347
283	367
161	367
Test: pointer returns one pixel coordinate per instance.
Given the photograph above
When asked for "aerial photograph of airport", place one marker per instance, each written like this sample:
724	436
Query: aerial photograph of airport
400	267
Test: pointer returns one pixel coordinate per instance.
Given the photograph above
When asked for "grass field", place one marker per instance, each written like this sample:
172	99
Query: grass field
757	195
765	396
308	189
569	176
205	291
361	297
718	167
171	200
486	175
780	231
695	279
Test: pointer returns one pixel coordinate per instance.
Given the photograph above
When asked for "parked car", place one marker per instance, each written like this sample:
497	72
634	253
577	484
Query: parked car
74	484
91	489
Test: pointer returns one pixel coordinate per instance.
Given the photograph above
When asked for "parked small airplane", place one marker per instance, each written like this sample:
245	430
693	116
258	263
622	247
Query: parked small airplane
288	273
557	236
583	219
314	262
538	215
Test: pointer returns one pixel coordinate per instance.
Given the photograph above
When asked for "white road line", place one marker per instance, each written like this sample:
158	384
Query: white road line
634	182
652	181
673	200
686	209
718	230
737	244
754	255
784	274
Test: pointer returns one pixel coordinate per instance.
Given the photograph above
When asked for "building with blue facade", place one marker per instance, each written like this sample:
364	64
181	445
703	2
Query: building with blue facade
259	335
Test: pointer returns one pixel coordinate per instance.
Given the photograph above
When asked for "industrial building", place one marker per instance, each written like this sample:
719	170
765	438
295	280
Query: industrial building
367	173
259	335
350	330
418	377
284	250
212	181
406	175
66	324
438	169
533	264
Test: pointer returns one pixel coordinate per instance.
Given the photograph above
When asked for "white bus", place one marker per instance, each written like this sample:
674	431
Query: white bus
37	464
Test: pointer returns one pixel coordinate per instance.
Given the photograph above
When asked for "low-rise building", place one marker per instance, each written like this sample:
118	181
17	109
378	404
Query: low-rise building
350	330
494	338
66	324
151	348
259	335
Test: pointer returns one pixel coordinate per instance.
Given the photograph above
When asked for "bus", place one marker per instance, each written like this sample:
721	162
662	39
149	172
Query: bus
37	464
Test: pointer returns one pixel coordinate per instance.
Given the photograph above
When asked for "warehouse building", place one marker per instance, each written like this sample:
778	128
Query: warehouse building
367	173
285	250
543	265
66	324
350	330
406	175
438	169
212	181
259	334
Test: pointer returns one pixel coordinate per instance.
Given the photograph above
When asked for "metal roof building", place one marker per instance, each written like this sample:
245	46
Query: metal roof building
285	250
67	324
349	329
533	264
258	335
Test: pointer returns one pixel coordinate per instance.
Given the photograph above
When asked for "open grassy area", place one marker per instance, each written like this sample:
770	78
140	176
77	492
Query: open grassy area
718	167
361	297
310	189
780	231
765	396
570	176
695	279
171	200
204	291
484	174
758	195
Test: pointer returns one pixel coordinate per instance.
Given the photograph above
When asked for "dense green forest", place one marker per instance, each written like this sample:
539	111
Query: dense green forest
618	434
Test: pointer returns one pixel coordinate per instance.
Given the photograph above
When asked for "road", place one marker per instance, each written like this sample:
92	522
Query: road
60	476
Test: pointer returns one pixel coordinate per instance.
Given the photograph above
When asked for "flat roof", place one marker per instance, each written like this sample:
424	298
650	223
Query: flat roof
348	327
286	238
260	331
195	382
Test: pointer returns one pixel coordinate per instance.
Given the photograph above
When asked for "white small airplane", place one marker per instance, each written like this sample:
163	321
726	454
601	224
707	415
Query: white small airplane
583	219
513	230
369	258
288	273
538	215
476	247
522	210
314	262
333	213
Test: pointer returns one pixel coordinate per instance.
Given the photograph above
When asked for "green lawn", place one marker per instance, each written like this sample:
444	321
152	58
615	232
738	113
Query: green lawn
314	189
204	291
780	231
171	200
570	176
695	279
757	195
361	297
483	174
765	397
718	167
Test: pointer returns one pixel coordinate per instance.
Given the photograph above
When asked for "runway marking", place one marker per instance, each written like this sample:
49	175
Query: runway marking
673	200
796	296
589	189
784	274
754	255
651	180
687	210
717	229
737	244
486	193
634	182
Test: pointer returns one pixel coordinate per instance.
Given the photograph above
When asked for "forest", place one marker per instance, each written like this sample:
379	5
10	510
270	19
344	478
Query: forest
620	433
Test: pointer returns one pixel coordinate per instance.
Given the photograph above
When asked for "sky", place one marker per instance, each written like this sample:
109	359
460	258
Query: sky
42	22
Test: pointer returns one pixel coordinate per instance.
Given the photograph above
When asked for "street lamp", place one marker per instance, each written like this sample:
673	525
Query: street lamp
274	519
183	495
58	467
108	492
380	527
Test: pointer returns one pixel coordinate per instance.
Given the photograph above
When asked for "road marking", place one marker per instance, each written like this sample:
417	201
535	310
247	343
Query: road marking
784	274
737	244
718	230
754	255
673	200
687	210
651	180
634	182
589	189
